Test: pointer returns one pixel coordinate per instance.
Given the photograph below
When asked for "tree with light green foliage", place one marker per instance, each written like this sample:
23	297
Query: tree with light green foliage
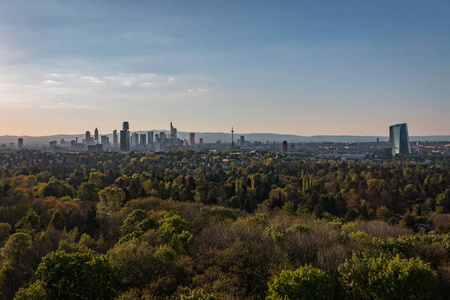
304	283
34	292
170	225
197	294
385	277
138	220
110	201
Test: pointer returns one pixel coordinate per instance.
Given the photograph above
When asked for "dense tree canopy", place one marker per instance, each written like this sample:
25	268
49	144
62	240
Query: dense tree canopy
221	225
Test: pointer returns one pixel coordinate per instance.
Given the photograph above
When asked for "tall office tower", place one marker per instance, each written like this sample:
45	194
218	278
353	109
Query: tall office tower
96	135
124	141
142	140
150	137
115	139
105	141
135	139
88	136
232	137
192	138
285	146
173	133
399	139
242	141
200	142
20	143
162	137
99	148
125	138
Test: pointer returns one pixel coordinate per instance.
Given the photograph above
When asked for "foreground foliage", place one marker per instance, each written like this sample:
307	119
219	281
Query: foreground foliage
221	226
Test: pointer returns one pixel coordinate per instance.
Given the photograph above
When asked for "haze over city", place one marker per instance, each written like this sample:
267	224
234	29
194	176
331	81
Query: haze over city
300	67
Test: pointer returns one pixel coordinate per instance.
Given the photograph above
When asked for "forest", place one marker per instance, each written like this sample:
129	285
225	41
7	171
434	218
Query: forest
221	225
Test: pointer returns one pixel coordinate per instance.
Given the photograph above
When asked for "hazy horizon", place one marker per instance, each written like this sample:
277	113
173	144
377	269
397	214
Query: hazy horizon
301	67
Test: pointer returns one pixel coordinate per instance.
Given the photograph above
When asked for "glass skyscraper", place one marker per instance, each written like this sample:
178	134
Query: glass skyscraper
399	139
125	138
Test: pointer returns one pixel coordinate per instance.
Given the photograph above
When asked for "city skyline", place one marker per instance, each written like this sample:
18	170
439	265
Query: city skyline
302	68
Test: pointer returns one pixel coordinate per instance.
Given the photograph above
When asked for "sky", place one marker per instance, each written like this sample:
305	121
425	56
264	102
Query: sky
293	67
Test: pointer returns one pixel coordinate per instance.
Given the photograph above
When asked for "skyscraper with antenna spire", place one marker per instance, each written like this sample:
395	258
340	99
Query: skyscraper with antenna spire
173	134
232	137
96	135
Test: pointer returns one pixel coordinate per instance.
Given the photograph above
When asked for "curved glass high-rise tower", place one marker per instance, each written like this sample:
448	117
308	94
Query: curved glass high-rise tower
399	139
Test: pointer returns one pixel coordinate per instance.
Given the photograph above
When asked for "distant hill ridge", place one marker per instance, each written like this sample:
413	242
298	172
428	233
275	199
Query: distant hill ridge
211	137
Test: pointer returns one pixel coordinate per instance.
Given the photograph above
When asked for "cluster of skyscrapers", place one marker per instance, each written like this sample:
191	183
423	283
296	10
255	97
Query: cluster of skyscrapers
126	141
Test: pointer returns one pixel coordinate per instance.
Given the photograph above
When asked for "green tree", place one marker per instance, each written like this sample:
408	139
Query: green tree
54	188
57	221
11	279
384	213
30	221
5	230
180	242
18	264
35	291
133	264
304	283
171	225
197	294
443	199
18	251
88	191
75	276
138	220
110	201
384	277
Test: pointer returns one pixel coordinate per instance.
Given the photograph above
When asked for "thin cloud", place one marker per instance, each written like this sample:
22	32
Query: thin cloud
196	90
52	82
93	79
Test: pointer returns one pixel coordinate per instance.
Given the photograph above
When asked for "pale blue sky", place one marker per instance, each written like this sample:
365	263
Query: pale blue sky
298	67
